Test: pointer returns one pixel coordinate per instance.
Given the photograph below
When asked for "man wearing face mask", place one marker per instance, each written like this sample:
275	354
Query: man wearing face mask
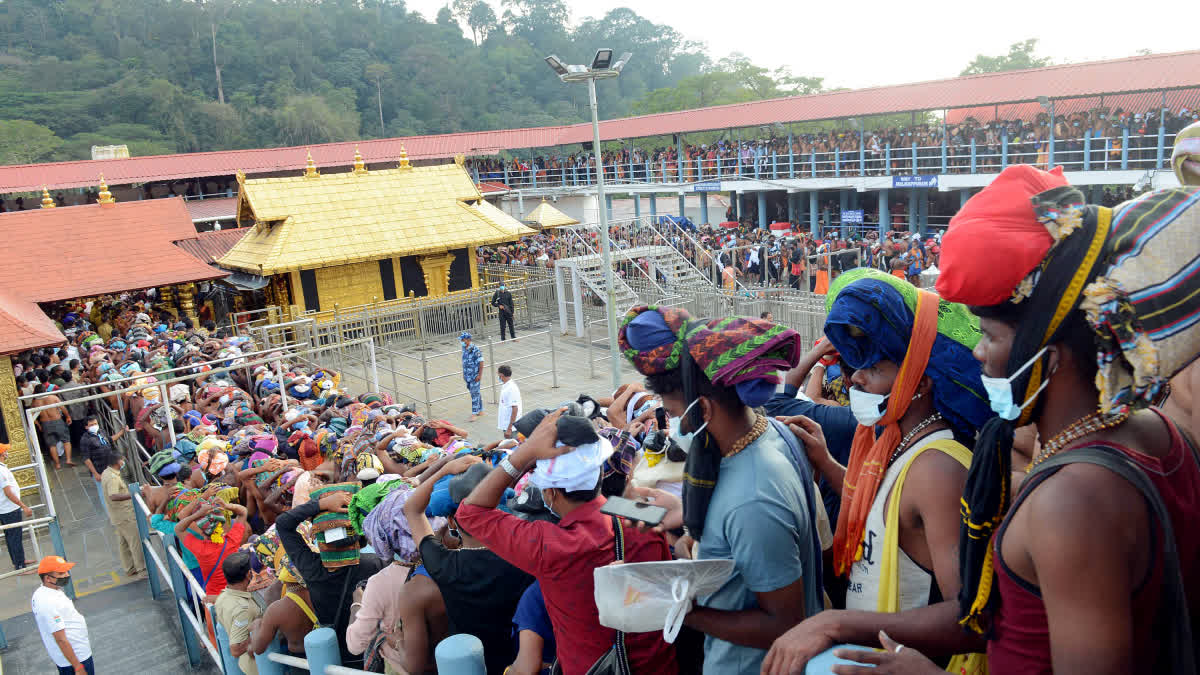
63	628
472	372
502	300
120	514
1081	329
916	381
748	492
562	556
97	447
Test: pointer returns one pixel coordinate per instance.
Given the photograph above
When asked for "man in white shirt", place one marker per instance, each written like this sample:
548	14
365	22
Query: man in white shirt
63	629
11	510
510	402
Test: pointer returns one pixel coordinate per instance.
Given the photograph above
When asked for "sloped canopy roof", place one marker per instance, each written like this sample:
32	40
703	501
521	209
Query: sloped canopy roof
344	218
109	248
208	247
1154	72
545	215
23	325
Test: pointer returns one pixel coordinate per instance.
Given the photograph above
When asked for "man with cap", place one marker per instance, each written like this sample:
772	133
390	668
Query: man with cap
63	628
11	511
748	494
480	589
563	555
1081	329
472	372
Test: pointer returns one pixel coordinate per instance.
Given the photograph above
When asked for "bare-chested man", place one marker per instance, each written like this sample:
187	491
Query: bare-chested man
53	423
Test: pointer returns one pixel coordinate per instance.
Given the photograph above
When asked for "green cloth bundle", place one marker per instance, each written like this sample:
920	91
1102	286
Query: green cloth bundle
366	499
344	552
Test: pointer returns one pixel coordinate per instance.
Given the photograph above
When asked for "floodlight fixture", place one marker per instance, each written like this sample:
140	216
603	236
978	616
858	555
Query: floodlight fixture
604	59
620	64
1044	101
556	65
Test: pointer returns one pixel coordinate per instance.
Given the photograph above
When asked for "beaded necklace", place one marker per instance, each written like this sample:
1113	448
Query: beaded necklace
912	433
760	426
1081	427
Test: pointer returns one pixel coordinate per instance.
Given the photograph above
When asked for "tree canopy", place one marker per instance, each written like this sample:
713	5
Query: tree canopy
1021	55
194	75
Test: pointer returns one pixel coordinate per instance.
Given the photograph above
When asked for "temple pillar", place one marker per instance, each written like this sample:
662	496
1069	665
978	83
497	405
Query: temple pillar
18	454
187	301
166	299
437	273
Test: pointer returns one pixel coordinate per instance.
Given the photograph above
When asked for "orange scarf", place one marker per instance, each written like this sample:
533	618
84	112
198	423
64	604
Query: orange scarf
869	455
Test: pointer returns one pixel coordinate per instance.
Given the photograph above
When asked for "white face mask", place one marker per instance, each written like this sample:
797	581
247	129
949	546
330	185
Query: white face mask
93	428
999	390
868	408
684	441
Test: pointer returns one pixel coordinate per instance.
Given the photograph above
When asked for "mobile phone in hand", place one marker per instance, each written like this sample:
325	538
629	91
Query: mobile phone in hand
629	509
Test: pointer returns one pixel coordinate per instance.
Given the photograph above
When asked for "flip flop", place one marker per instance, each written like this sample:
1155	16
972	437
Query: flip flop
72	464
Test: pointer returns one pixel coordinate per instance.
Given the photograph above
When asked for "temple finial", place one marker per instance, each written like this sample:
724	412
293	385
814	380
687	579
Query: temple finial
105	197
310	168
47	202
360	167
404	158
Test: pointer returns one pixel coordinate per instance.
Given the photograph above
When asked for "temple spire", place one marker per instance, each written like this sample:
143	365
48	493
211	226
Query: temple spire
47	202
360	167
105	197
404	158
310	168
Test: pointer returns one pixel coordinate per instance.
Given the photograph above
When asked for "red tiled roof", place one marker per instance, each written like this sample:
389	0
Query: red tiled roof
491	188
1136	74
24	326
1130	103
207	247
112	248
220	208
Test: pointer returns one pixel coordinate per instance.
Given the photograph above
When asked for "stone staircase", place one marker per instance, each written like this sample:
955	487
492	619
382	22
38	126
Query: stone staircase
672	270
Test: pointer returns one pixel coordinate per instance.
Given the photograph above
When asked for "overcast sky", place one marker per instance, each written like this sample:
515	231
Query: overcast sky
872	42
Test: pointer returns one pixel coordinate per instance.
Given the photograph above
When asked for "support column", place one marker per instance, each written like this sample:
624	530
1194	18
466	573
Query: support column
187	301
812	212
577	299
912	209
844	203
653	206
520	205
762	210
963	195
608	199
559	288
885	218
801	206
637	205
923	213
791	207
704	208
682	204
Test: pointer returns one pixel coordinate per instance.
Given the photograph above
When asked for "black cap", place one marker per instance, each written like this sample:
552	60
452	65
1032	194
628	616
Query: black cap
460	486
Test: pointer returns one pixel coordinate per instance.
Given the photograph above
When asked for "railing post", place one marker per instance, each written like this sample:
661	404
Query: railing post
1161	146
813	162
775	166
553	362
944	155
505	173
182	592
460	654
791	158
262	661
1087	150
1124	148
425	380
973	156
143	528
887	159
1004	149
837	162
229	662
587	333
492	374
1050	150
321	650
914	158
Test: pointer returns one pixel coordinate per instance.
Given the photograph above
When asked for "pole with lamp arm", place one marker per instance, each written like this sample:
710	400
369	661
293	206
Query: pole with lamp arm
602	68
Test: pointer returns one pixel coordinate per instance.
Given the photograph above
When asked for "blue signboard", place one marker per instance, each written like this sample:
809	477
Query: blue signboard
854	217
707	186
914	181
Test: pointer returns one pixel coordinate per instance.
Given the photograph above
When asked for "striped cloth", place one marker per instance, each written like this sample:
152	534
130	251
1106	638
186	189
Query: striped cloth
344	552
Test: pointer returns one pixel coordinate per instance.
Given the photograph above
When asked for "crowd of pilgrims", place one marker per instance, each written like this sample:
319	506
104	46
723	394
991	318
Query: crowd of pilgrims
1002	409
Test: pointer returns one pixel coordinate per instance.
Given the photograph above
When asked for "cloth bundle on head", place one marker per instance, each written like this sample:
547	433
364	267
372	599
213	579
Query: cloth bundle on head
870	317
366	499
182	499
388	531
578	469
1130	271
1185	159
740	353
211	455
343	552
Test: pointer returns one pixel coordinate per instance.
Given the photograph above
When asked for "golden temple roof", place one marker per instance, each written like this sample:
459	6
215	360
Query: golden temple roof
546	215
343	218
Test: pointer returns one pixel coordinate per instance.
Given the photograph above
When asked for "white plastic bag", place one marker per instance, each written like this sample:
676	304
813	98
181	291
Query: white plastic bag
642	597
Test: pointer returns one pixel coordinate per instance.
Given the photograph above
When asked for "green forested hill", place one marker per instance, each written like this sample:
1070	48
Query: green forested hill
189	75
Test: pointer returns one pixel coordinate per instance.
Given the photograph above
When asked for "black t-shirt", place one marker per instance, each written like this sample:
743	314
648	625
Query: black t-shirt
481	591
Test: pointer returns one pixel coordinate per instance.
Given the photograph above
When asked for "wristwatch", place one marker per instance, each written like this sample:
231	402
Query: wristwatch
509	469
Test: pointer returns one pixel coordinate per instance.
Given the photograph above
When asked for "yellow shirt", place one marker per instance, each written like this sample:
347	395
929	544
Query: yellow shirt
235	611
119	513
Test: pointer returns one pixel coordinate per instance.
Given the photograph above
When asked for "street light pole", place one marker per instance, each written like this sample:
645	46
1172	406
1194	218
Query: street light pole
605	246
